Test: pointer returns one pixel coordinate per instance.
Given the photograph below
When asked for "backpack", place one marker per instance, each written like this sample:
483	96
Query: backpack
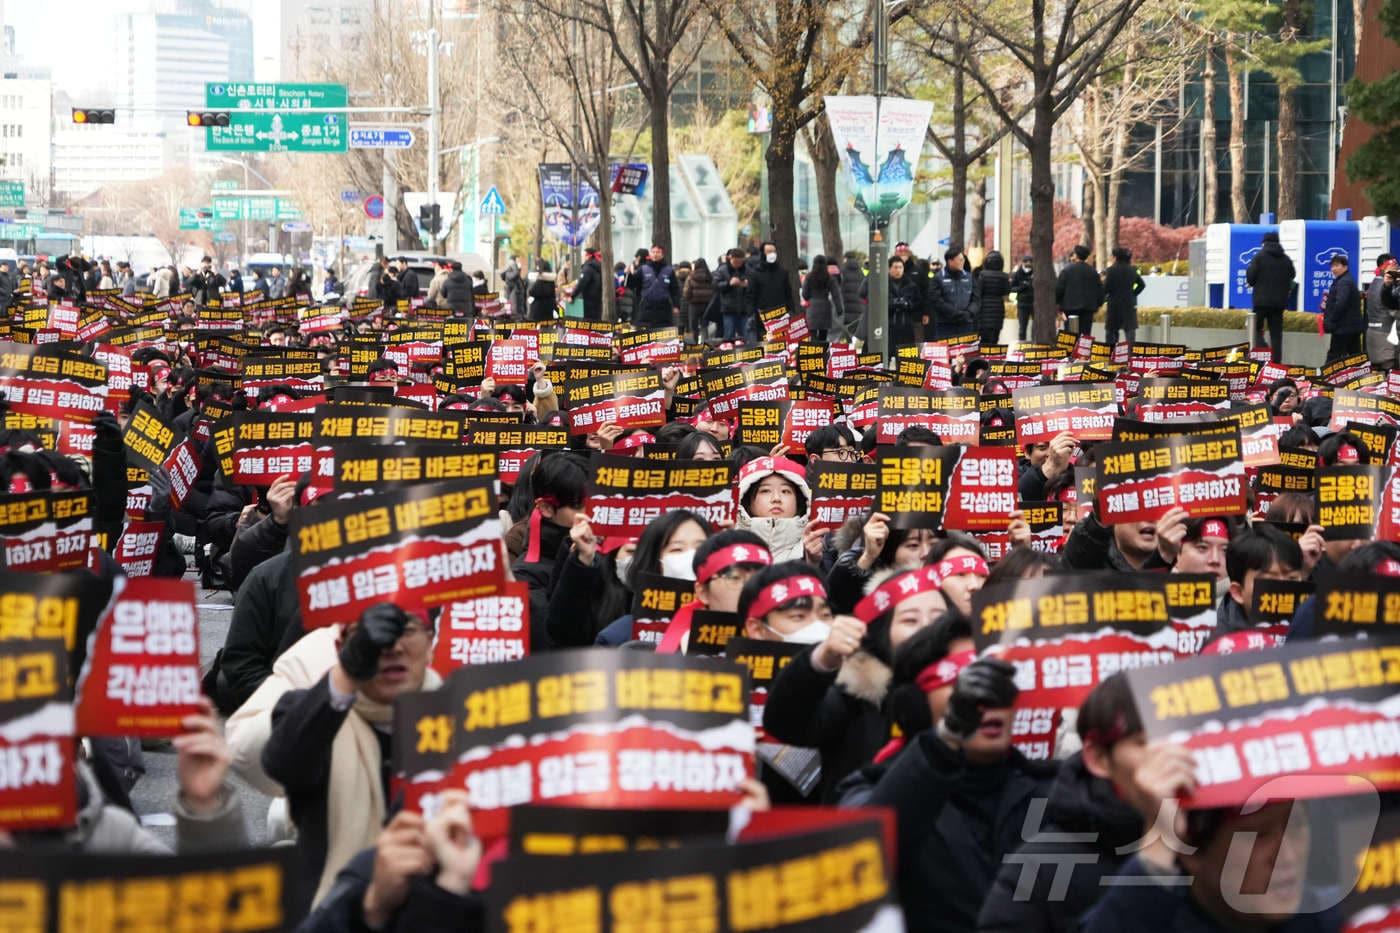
656	286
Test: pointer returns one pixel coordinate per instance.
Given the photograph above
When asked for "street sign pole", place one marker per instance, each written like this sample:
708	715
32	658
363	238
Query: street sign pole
390	223
433	98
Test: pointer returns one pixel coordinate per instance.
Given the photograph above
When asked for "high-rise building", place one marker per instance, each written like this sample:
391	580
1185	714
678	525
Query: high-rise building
26	113
295	38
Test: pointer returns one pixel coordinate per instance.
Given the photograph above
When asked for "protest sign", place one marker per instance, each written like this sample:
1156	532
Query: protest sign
951	413
490	626
913	484
1086	410
629	400
52	383
147	438
627	494
1348	501
1142	481
36	726
655	601
839	491
360	465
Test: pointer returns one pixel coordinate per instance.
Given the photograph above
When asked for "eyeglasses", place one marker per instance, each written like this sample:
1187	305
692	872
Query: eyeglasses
843	454
735	574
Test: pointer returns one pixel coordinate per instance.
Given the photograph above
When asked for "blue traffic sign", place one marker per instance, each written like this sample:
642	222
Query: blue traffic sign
365	138
493	205
350	195
374	207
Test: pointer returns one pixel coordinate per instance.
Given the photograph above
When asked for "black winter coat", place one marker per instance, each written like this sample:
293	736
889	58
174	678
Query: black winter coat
953	299
427	909
544	298
1270	273
1078	288
541	576
1022	283
733	299
838	714
584	600
1341	314
1079	803
457	292
590	289
852	288
253	545
1122	284
770	288
993	286
955	823
266	620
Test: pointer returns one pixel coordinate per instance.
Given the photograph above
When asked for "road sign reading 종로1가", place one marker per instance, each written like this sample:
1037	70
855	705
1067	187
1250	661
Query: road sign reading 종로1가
276	132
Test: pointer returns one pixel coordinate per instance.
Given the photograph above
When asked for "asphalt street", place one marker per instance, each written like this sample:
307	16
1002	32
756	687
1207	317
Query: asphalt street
155	792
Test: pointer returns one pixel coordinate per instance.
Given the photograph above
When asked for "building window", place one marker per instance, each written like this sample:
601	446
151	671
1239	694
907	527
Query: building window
349	16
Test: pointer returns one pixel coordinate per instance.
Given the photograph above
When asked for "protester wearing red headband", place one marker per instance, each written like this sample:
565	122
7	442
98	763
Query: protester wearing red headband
773	503
785	602
962	569
1193	545
723	564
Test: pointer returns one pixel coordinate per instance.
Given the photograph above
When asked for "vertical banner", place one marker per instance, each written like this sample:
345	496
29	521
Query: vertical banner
559	198
879	141
36	730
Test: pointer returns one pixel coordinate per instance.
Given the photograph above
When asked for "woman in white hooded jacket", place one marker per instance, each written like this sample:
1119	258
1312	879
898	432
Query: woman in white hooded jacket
774	501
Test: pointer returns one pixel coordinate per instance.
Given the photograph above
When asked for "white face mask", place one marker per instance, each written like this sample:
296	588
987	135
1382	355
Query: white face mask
620	568
679	566
770	257
813	633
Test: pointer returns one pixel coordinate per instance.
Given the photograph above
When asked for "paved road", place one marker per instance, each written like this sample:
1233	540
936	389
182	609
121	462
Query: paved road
154	793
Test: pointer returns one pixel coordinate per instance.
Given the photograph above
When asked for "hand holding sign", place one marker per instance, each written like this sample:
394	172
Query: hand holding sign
454	846
1311	545
400	853
875	533
1171	531
203	760
281	498
1166	774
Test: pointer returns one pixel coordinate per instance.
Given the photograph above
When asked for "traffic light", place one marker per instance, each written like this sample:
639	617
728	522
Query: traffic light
206	117
430	219
94	115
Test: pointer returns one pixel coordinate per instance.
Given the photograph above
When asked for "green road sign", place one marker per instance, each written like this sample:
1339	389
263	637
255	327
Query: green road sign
11	194
236	207
224	184
276	132
20	231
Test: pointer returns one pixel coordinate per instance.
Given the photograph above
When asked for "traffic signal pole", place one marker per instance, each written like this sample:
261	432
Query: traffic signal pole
434	111
878	326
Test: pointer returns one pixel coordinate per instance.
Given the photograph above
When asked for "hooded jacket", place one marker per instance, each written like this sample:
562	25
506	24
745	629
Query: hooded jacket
1081	804
1270	273
782	535
456	291
543	298
837	713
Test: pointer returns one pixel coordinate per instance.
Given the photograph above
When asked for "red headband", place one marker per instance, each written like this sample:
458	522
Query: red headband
633	441
944	671
968	563
532	551
1388	568
1215	528
785	591
897	589
727	557
1107	738
1347	454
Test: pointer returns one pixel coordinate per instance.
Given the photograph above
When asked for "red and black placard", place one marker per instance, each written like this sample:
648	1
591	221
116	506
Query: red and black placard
142	675
840	491
183	466
1172	399
627	494
359	465
1085	409
1372	902
1276	602
950	413
515	444
655	601
1322	710
1046	521
491	626
52	382
36	724
266	445
588	728
147	438
630	400
137	547
538	830
1363	407
760	381
1065	634
983	491
1191	604
648	347
1142	481
384	424
418	545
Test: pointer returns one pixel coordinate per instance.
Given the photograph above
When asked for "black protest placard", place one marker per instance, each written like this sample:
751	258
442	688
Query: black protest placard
1085	409
760	424
711	631
1046	523
361	465
253	891
1065	634
913	484
538	830
1363	407
417	545
515	444
648	347
1273	481
655	602
1191	604
840	491
629	400
1377	438
831	880
1359	604
51	382
384	424
36	728
147	438
627	494
587	728
1171	399
759	381
765	660
950	413
266	445
1348	501
1318	708
1372	903
1142	481
1276	602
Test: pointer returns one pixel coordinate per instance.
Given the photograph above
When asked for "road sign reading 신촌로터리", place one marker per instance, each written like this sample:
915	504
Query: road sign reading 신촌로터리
493	205
11	194
276	132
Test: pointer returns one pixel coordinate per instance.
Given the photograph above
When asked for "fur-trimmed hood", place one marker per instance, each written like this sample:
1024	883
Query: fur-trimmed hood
865	677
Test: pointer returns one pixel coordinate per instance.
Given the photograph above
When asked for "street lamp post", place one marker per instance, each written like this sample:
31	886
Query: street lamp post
878	282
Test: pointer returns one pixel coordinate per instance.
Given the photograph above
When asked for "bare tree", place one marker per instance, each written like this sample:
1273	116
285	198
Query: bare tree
1062	47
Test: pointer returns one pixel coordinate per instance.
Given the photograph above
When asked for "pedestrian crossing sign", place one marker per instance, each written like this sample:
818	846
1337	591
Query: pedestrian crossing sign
493	205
